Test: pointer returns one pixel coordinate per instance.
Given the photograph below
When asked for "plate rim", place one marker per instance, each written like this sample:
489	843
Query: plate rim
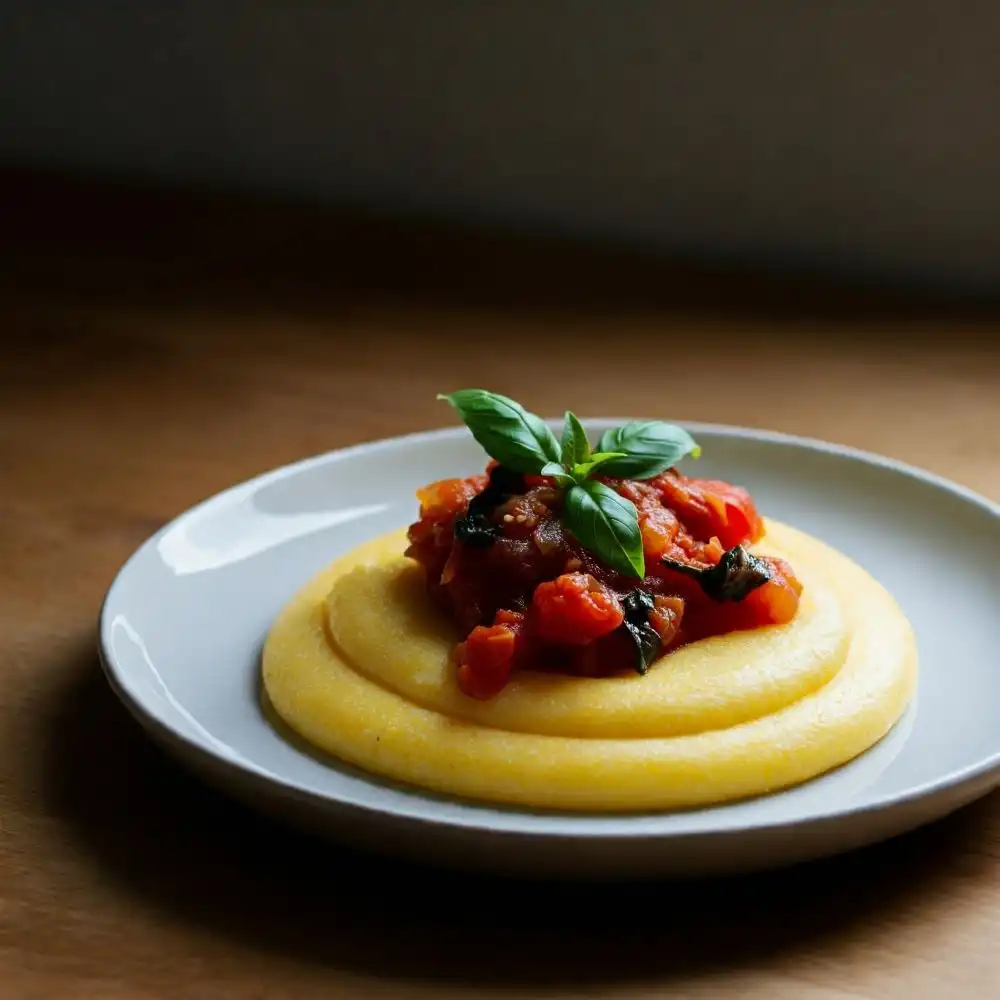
954	780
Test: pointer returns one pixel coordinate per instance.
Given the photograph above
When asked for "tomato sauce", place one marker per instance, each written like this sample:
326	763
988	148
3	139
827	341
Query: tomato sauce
527	595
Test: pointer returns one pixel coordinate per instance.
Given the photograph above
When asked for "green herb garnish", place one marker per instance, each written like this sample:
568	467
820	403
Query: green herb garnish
575	446
738	573
507	432
602	521
650	447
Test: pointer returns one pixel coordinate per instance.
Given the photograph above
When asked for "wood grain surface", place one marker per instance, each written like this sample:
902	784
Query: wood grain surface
158	347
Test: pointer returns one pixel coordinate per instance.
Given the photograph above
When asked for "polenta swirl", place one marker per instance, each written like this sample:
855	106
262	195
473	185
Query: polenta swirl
359	664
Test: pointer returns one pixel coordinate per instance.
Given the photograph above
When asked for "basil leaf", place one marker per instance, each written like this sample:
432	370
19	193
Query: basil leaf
606	524
637	605
505	430
738	573
651	447
598	458
557	472
575	446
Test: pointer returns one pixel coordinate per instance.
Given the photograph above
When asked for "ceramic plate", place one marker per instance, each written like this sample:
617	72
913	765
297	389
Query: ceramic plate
183	624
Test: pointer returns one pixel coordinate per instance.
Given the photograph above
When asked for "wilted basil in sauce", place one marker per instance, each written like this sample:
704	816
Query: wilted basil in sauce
738	573
475	529
637	605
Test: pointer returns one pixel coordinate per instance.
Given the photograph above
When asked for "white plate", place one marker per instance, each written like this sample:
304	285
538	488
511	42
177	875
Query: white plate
182	627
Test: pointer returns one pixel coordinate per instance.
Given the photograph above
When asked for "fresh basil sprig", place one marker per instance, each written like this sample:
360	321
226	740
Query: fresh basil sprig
515	438
602	520
598	460
575	446
650	447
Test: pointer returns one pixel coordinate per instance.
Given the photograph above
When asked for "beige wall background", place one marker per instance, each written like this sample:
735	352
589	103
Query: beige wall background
842	135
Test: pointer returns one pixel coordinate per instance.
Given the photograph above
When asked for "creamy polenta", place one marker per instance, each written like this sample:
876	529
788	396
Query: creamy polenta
359	663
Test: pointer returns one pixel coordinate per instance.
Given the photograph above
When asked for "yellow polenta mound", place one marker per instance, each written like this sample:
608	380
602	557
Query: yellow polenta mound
358	664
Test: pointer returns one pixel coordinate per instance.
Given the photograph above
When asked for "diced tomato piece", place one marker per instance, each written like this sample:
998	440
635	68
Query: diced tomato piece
575	609
711	508
659	527
641	493
740	522
678	493
448	497
666	617
658	524
776	602
486	659
512	619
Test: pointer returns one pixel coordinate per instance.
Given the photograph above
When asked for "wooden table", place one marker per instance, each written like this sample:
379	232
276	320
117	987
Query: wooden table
159	347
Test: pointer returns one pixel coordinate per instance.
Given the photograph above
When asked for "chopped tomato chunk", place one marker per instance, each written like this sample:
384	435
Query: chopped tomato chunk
575	609
710	508
448	497
666	617
777	600
486	660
